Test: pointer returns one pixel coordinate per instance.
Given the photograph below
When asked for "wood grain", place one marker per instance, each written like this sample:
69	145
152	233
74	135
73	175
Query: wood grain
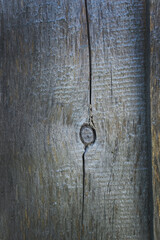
44	101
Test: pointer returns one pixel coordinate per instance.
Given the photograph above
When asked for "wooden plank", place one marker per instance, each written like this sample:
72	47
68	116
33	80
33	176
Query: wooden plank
117	165
44	102
155	109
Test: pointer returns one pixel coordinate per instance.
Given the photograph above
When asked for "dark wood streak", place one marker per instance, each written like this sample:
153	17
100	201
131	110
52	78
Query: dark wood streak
90	54
155	110
83	162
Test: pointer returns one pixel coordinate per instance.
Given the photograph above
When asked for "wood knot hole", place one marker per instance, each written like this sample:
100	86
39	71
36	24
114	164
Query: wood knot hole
87	134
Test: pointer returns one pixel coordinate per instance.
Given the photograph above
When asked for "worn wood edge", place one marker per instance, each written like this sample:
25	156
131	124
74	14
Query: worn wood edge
154	102
147	72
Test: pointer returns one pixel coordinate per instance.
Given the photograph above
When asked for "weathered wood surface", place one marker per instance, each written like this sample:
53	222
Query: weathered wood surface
44	102
155	108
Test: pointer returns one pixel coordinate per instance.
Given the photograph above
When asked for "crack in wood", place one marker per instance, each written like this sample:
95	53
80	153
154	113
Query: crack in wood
90	102
83	160
90	56
91	124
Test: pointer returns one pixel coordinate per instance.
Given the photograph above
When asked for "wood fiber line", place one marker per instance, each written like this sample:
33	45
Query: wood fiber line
90	54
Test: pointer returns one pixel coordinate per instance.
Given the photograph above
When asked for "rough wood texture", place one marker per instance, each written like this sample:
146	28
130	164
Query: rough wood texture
155	109
44	102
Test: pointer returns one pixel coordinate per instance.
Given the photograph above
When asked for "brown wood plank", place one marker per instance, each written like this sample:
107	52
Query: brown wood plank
155	109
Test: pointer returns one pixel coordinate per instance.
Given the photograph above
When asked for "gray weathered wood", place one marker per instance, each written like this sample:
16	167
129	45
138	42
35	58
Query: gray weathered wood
44	102
155	109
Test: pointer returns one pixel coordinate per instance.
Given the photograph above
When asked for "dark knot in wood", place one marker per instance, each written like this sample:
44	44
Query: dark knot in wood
87	134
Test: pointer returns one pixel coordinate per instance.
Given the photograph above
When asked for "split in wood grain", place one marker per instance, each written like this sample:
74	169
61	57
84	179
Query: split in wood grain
90	55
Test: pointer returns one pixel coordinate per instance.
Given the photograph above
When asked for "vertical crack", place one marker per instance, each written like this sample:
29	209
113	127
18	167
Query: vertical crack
90	138
83	166
90	56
